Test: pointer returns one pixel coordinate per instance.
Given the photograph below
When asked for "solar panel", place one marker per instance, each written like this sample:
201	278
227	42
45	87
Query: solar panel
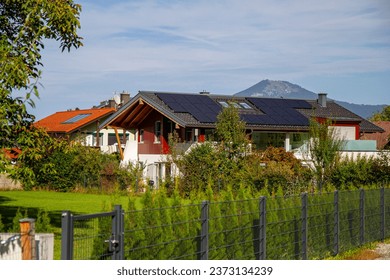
76	118
282	111
201	107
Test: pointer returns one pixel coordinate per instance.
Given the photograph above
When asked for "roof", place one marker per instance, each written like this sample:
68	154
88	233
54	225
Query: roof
12	153
382	139
338	113
201	110
70	121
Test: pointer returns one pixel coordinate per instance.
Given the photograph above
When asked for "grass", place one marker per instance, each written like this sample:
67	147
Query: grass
365	252
54	203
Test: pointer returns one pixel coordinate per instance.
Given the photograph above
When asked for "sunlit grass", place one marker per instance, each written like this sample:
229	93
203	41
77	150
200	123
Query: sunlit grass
54	203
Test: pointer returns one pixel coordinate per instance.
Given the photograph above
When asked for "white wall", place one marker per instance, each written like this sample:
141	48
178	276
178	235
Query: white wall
345	132
11	248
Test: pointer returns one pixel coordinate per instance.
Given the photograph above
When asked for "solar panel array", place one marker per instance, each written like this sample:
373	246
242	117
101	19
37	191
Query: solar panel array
278	112
205	109
201	107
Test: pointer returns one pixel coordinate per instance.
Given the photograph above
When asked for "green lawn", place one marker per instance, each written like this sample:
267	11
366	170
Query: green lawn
54	203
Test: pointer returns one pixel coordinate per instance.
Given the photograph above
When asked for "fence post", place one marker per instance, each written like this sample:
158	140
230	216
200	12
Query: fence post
262	229
304	225
383	211
117	233
204	235
362	218
66	235
336	227
27	232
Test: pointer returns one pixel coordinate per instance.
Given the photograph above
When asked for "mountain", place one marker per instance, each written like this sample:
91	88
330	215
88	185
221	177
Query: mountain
284	89
276	89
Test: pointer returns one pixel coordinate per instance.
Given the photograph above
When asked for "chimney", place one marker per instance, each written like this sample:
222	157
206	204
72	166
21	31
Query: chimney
111	103
203	92
125	97
322	99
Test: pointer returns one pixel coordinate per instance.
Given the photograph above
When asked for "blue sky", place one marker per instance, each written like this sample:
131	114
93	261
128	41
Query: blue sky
339	47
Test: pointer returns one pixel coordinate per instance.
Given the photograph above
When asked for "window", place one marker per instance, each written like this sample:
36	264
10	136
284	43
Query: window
157	131
262	140
141	135
76	118
235	105
245	105
188	134
224	104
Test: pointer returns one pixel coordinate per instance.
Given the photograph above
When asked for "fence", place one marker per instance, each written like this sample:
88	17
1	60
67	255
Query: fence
309	226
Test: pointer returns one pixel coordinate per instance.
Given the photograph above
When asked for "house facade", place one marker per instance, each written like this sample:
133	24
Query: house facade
153	116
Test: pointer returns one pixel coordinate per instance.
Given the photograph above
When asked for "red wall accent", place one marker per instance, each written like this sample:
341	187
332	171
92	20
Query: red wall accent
148	146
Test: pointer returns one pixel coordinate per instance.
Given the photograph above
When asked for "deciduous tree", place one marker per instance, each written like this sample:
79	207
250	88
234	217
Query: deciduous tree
24	27
384	115
324	147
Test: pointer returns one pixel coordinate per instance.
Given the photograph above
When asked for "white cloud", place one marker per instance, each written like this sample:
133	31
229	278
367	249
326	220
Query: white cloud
221	45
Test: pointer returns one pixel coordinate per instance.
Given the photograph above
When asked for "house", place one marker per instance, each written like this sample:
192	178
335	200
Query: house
153	116
83	125
382	139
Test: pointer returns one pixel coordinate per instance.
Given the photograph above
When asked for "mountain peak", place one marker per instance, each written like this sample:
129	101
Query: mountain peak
277	89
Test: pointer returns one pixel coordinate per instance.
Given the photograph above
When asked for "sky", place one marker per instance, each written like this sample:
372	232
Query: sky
338	47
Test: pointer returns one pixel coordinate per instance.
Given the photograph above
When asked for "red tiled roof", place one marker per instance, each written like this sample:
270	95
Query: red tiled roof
381	138
12	153
62	121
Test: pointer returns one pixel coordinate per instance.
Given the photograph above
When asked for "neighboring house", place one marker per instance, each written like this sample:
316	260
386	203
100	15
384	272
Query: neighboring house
153	116
83	125
382	139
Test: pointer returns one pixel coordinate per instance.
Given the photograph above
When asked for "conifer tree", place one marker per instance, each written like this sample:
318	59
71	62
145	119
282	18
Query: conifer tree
42	223
181	228
134	237
231	225
164	215
217	251
16	220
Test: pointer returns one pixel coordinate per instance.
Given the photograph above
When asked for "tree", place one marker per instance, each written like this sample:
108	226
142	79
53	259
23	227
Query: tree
230	132
24	25
384	115
324	147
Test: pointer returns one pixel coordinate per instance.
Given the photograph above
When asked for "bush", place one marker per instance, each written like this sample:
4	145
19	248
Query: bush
274	168
362	171
42	223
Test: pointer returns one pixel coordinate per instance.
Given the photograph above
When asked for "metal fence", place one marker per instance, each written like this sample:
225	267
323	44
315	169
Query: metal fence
309	226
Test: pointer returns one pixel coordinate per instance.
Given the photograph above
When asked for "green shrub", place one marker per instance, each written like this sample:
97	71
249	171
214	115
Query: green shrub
42	223
361	172
16	220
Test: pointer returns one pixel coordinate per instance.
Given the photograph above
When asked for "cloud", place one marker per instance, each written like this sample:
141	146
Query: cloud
224	46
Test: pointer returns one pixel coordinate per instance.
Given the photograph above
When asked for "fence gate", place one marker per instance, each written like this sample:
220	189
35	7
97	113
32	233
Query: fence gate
93	236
